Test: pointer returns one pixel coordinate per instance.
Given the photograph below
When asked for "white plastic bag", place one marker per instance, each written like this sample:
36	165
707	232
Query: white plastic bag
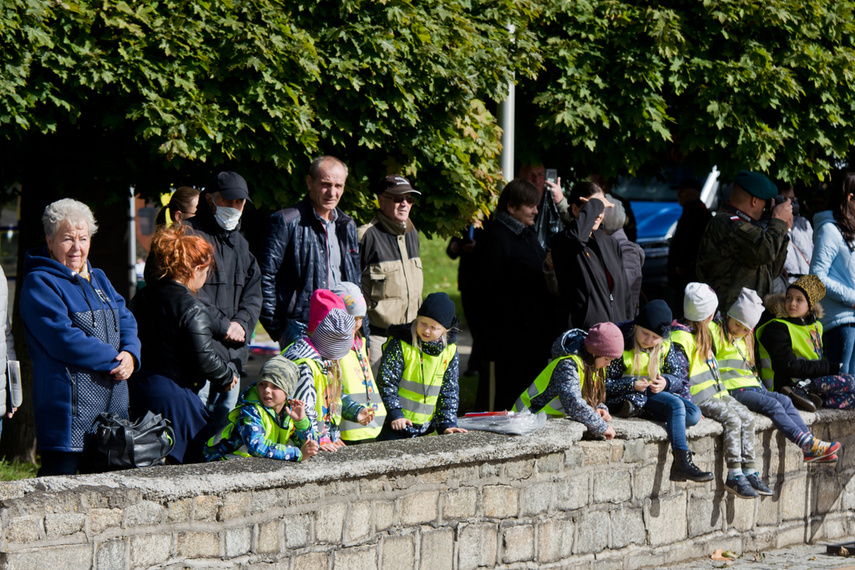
511	423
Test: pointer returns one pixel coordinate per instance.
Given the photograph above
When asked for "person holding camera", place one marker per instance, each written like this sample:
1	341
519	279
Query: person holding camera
800	248
737	250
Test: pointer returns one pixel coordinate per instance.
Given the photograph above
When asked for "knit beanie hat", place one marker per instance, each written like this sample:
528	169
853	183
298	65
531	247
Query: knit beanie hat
354	302
439	307
321	303
811	286
280	372
699	302
604	339
747	308
333	337
655	316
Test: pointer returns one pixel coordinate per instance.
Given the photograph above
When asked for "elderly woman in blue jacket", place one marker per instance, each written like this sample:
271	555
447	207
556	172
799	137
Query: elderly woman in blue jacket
81	337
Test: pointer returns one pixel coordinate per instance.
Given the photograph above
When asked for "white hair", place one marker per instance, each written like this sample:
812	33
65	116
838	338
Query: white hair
67	210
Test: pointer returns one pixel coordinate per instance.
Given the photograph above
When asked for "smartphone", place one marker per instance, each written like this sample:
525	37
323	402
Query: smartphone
551	175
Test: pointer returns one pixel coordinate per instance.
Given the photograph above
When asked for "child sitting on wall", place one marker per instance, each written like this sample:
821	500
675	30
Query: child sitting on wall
265	421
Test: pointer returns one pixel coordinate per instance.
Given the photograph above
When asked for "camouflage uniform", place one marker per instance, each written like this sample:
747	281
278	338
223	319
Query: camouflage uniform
737	252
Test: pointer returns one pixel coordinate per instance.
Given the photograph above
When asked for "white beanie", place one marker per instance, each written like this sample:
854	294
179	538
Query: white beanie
700	302
747	308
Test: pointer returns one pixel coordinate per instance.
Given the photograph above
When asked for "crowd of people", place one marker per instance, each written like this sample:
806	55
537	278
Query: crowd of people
366	357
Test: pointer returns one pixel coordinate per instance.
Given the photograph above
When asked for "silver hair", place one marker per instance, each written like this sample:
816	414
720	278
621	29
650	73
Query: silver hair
614	218
67	210
315	167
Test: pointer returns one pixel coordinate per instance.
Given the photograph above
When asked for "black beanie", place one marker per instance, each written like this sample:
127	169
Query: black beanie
655	316
439	307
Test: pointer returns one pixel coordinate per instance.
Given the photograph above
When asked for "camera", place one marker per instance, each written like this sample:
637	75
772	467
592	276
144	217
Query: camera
781	199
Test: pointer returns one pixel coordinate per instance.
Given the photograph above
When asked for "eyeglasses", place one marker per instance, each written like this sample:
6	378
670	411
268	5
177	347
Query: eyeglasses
409	198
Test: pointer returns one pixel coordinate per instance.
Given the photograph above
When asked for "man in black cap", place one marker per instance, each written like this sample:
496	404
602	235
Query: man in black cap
683	252
391	268
736	250
232	292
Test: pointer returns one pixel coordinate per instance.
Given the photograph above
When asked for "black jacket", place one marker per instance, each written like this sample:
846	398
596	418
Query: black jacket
775	338
589	269
175	332
294	263
683	252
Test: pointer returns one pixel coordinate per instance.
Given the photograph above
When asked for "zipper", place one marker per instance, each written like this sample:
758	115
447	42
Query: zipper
73	381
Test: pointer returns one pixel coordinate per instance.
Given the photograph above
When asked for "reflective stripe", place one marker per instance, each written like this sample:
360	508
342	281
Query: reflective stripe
729	363
801	342
362	390
541	383
713	391
419	389
428	390
765	363
417	408
703	384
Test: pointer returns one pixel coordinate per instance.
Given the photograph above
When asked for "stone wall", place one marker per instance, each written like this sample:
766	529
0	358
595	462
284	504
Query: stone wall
458	502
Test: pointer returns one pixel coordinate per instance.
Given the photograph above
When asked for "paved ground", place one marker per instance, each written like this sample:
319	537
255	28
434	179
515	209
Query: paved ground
803	556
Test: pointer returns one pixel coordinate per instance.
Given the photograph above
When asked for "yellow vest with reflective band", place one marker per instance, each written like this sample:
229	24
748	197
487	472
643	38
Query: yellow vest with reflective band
703	384
361	389
801	342
736	371
323	389
643	360
418	390
541	383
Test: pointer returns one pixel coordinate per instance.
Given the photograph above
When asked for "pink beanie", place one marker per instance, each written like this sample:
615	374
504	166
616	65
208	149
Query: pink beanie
604	339
320	305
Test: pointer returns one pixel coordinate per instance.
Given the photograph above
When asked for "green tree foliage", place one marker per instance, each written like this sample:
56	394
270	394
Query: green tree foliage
633	86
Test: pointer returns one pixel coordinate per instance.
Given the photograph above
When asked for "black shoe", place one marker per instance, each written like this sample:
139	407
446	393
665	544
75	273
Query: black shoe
816	399
627	410
758	485
684	469
800	398
740	487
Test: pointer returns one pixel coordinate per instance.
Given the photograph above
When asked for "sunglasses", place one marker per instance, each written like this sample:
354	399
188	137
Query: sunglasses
408	198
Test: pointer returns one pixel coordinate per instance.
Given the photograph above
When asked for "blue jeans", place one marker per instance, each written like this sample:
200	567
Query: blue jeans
777	407
839	344
677	413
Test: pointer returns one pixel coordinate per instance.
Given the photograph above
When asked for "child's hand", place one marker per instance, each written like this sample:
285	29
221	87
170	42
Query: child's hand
609	433
455	430
365	416
604	413
296	410
658	384
340	443
329	446
400	424
641	384
309	449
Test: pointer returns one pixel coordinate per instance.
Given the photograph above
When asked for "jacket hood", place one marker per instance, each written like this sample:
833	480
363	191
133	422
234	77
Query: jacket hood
569	342
822	218
403	332
39	259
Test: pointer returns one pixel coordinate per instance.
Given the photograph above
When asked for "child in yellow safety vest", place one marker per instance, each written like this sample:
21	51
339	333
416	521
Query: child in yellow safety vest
418	375
695	338
790	352
356	376
735	356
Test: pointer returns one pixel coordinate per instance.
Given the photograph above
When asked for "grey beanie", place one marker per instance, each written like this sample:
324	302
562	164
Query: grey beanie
280	372
353	299
747	308
333	337
699	302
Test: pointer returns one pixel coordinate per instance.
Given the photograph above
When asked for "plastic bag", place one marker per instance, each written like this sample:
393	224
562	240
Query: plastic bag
548	222
511	423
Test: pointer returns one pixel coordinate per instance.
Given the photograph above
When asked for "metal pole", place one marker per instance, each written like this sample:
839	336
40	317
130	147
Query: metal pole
132	243
507	116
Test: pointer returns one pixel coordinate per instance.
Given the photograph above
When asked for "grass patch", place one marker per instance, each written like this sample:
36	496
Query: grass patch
12	471
440	271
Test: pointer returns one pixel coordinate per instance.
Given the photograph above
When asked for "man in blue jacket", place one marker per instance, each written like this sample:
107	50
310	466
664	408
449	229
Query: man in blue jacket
311	245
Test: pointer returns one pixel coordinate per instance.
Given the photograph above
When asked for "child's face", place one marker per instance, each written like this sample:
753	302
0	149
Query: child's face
272	396
647	339
736	329
602	362
428	329
358	326
796	304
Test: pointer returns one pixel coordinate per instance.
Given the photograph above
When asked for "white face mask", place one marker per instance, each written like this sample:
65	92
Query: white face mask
227	218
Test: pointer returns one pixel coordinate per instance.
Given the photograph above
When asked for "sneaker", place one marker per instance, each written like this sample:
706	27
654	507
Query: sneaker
740	487
627	410
758	485
825	460
816	400
799	398
820	449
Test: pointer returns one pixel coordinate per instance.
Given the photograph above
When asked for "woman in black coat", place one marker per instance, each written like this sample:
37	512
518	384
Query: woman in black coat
518	310
588	264
177	347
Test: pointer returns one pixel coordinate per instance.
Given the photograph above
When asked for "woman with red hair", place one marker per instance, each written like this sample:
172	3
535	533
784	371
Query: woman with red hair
177	347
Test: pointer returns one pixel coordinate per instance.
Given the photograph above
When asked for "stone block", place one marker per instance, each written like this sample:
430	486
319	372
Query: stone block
554	540
311	561
437	549
468	475
787	534
571	492
740	512
616	450
102	519
847	501
649	481
476	546
825	486
110	555
268	537
794	499
593	532
490	470
419	508
767	509
206	508
627	527
362	558
435	477
329	523
237	541
372	486
384	515
536	498
573	458
298	529
72	556
358	525
404	482
308	493
552	463
179	511
633	451
63	524
398	552
499	501
704	515
144	513
666	520
659	452
198	545
518	544
348	489
595	453
828	527
612	486
150	549
459	504
516	470
23	529
234	506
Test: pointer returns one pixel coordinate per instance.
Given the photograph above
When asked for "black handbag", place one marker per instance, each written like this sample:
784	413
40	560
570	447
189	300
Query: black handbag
121	444
548	222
